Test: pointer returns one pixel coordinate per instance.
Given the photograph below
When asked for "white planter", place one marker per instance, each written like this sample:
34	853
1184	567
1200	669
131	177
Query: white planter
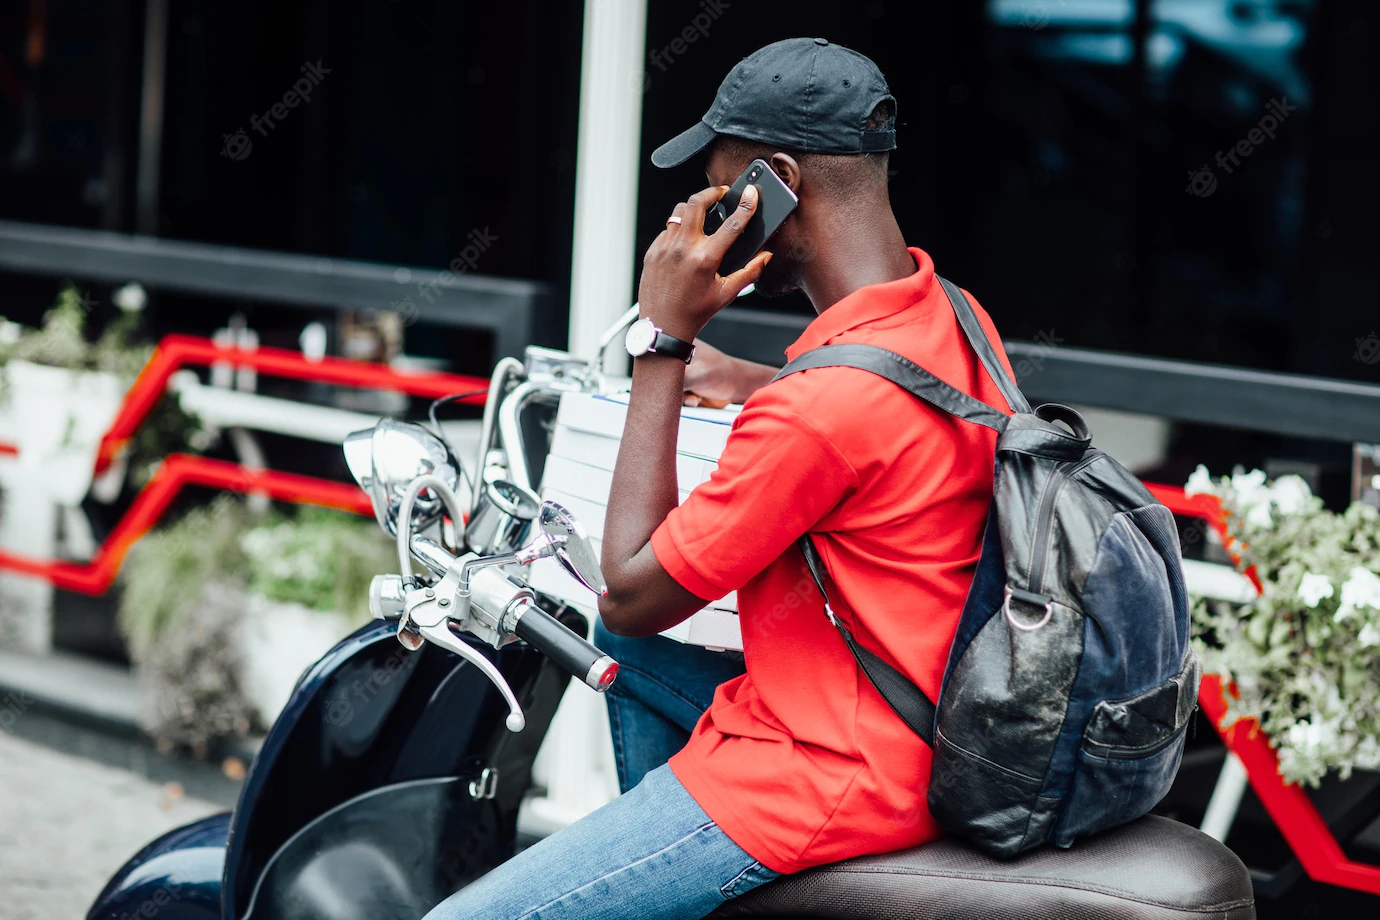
279	641
56	418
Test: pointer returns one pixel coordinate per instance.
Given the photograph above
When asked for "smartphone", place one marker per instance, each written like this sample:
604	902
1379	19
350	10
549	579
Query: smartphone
774	205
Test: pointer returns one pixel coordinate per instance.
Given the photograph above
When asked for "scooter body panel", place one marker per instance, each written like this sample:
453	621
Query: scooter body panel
176	877
396	851
386	764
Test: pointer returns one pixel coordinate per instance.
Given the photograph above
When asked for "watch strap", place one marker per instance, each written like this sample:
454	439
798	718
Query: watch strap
673	347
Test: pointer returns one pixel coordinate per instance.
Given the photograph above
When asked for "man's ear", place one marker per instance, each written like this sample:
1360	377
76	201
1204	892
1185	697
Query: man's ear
787	169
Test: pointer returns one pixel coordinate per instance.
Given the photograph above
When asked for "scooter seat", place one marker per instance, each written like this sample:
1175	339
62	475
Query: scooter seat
1151	869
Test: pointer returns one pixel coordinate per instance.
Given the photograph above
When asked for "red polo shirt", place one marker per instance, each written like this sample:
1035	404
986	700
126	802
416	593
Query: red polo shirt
800	760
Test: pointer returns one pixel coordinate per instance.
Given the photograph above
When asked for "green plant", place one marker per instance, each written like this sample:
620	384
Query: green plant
182	587
168	429
318	558
61	340
166	570
1305	655
195	698
180	637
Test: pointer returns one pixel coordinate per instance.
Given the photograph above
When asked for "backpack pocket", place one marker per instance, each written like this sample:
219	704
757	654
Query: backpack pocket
993	806
1129	755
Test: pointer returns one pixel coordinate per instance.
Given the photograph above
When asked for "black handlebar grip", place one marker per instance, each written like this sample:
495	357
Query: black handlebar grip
567	649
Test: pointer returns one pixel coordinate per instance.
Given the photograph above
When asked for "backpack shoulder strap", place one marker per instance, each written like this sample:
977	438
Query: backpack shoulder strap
977	337
905	374
909	701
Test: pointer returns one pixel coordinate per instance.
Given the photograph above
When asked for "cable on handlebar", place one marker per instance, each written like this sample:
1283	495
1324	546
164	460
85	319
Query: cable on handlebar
404	526
440	432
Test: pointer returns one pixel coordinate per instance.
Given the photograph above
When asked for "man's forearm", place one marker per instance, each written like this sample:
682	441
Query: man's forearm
682	289
644	479
642	598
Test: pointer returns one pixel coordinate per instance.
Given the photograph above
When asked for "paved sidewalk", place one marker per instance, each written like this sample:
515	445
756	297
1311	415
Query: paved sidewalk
67	823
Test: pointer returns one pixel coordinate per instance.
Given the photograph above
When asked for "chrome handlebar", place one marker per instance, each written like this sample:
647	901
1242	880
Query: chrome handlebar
473	595
471	592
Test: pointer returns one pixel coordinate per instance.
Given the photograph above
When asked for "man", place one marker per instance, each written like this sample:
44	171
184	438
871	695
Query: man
796	760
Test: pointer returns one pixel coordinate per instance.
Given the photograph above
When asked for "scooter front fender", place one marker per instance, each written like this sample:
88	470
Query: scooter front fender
371	730
176	877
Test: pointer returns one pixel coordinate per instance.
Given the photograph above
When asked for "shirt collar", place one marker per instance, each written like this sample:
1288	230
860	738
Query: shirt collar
867	304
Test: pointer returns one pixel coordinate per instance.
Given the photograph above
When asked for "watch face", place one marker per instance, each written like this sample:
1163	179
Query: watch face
641	337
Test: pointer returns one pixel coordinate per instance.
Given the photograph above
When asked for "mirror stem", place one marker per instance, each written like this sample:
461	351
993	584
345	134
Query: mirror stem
543	547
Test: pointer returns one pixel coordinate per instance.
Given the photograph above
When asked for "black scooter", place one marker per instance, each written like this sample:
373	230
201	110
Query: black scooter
394	775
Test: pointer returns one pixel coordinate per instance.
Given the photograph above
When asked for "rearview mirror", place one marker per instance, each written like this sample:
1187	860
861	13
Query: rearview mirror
573	549
385	459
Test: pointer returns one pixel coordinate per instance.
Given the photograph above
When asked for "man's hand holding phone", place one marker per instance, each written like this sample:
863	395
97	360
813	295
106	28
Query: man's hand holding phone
681	288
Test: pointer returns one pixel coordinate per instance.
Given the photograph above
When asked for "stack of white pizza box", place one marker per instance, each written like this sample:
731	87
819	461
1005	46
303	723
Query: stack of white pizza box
579	473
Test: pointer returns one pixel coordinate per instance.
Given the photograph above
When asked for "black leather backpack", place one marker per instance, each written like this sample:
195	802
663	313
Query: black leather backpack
1070	681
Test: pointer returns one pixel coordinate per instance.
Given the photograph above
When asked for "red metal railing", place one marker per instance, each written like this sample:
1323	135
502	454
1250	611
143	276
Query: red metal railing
178	470
174	473
178	351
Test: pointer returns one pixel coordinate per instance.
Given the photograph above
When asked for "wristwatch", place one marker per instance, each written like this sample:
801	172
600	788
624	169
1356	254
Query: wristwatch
645	338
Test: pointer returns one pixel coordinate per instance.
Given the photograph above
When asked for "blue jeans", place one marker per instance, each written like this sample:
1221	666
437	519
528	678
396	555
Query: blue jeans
651	853
663	688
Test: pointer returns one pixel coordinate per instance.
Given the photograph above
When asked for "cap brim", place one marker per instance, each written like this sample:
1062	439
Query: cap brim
684	145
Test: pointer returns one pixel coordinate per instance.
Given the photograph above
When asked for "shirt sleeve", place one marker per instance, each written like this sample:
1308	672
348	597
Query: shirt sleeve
777	477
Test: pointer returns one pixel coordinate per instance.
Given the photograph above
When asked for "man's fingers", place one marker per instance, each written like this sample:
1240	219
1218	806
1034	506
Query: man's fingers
692	218
677	211
733	225
748	274
693	400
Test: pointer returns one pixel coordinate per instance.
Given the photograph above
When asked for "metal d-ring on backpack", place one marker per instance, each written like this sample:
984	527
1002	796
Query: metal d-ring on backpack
1070	682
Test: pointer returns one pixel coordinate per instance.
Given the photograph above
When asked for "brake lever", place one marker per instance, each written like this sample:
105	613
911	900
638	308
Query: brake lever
441	634
428	616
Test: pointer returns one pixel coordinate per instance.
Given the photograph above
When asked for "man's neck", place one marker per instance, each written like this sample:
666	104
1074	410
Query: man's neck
871	253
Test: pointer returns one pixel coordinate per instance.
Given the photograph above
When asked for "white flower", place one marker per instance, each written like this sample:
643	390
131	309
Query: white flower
1252	498
1368	753
1200	482
10	332
1361	589
1250	486
131	297
1314	588
1369	637
256	543
1312	736
1290	494
1259	516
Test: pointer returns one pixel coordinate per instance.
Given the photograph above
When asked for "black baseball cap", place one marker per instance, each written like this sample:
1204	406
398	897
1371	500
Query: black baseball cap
802	94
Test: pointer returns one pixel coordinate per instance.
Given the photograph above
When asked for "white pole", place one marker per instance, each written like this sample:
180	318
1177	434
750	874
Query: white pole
1226	798
575	763
606	168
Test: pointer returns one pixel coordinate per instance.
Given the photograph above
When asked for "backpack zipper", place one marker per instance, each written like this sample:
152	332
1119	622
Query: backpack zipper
1044	519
